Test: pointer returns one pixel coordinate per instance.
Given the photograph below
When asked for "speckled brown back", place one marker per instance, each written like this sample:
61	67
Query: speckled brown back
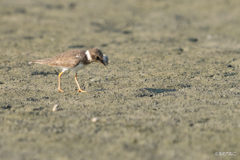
69	59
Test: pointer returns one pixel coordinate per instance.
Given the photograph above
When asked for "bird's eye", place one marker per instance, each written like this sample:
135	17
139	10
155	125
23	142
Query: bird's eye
97	58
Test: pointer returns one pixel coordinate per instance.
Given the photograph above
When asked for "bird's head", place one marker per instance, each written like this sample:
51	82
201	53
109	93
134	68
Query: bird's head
97	56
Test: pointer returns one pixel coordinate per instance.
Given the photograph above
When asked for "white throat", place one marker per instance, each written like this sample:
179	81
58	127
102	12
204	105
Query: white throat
88	56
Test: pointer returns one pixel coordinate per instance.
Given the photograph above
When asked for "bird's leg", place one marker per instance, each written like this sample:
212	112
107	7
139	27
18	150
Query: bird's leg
59	80
79	89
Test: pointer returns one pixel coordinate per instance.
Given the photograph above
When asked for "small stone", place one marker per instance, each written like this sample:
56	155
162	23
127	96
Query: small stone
55	108
94	119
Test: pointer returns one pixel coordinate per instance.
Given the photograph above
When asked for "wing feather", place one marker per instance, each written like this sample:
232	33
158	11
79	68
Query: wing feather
69	59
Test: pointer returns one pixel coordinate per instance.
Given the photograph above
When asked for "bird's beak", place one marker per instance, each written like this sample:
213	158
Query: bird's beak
103	62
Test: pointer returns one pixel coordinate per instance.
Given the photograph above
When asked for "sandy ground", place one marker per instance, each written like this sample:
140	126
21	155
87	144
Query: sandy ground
171	90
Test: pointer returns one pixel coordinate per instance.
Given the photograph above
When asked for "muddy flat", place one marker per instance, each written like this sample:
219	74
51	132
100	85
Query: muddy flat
171	89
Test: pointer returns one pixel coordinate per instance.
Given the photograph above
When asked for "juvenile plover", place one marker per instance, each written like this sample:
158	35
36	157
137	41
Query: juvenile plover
74	60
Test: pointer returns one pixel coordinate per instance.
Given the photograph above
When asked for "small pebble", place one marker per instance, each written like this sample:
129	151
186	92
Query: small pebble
94	119
55	108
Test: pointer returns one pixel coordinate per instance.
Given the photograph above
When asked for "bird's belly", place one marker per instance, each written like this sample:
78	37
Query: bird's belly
78	67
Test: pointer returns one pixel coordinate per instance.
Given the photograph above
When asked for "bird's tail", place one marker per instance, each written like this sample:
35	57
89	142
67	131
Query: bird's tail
42	61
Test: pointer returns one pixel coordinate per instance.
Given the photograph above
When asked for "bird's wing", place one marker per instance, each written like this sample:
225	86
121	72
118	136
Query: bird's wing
68	59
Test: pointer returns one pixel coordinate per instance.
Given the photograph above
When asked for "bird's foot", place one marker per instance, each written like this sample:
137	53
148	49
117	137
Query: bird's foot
81	90
60	90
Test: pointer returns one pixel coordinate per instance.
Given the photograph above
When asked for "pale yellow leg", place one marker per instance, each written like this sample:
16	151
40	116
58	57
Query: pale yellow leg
59	80
78	84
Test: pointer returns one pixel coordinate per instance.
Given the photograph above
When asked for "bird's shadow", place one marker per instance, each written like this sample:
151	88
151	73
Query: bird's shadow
150	92
44	73
98	90
76	46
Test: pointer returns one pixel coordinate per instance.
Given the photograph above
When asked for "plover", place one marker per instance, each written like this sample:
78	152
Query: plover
74	60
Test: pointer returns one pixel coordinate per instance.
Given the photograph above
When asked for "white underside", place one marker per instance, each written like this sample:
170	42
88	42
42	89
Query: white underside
78	67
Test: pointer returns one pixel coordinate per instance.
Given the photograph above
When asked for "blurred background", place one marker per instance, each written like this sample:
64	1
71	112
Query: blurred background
64	25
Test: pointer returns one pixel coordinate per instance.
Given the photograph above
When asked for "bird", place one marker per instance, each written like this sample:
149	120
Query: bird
74	60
